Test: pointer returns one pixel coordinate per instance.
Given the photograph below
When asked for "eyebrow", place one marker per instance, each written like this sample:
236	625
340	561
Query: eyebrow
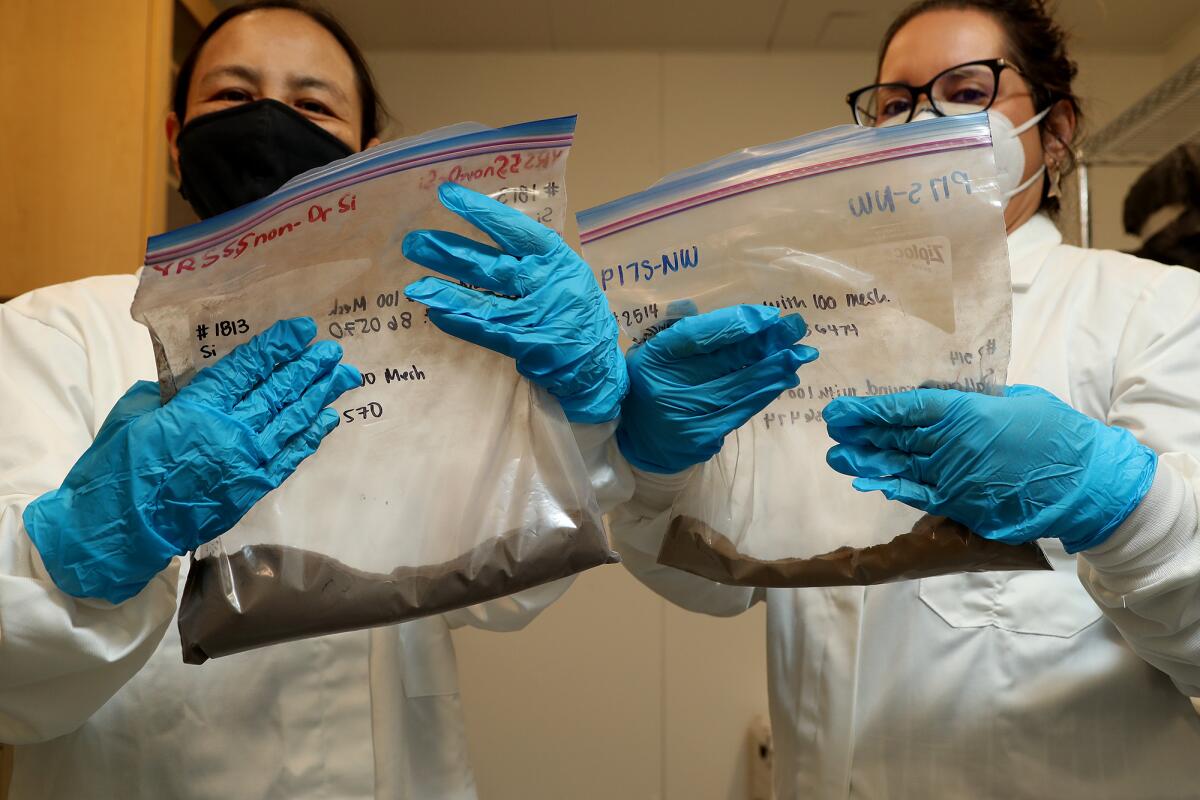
233	71
296	82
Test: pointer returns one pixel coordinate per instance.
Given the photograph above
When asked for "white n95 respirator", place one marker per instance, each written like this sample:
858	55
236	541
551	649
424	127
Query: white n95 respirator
1006	146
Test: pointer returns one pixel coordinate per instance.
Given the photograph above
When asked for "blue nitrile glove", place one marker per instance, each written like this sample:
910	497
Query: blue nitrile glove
554	320
162	479
703	377
1013	468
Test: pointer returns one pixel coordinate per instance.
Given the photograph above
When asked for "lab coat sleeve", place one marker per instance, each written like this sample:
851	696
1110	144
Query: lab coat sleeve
510	613
1146	576
638	527
608	472
60	658
611	482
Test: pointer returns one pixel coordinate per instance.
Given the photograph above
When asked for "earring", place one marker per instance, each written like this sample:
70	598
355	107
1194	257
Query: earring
1055	177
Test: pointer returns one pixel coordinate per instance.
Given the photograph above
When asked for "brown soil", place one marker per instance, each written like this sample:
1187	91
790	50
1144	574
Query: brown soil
279	593
934	546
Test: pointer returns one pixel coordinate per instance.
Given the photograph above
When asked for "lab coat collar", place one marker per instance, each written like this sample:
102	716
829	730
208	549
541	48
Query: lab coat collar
1028	247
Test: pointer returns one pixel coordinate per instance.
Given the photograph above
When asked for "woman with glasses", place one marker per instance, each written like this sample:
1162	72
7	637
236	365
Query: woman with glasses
1069	683
1035	108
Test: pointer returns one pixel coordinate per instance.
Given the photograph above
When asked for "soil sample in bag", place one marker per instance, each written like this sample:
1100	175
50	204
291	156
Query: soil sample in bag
274	593
890	243
935	546
451	479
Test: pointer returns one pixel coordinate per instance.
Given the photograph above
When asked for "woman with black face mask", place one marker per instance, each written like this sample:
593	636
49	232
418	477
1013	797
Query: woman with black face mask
263	96
92	687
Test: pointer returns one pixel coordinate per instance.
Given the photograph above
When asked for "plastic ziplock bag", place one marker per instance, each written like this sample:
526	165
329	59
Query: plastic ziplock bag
890	242
451	480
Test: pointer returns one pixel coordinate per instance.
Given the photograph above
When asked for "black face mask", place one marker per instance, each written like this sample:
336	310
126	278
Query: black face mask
233	157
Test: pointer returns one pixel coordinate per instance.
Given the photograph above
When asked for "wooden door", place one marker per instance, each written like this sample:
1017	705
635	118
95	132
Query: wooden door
83	96
84	93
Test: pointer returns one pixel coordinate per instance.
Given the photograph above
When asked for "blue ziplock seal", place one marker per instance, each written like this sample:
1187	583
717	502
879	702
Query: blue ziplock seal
831	142
347	164
454	137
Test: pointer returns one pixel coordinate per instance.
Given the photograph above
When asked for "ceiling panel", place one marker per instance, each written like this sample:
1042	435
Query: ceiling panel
1128	25
444	24
666	24
834	24
457	24
1145	25
752	25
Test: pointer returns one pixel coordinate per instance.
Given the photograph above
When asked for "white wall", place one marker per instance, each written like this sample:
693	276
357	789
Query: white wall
612	693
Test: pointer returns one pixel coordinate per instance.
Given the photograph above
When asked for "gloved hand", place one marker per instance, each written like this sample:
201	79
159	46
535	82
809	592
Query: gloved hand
162	479
703	377
554	321
1013	468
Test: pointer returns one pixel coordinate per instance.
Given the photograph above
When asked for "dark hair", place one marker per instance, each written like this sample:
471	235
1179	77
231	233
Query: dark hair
1037	46
374	115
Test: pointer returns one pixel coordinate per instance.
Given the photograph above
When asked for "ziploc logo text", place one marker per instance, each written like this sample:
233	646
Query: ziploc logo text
647	268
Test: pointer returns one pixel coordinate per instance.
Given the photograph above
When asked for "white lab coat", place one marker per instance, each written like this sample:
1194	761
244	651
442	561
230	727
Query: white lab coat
97	697
1071	683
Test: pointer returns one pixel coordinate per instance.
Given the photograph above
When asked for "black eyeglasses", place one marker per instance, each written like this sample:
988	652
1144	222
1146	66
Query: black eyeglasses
965	89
